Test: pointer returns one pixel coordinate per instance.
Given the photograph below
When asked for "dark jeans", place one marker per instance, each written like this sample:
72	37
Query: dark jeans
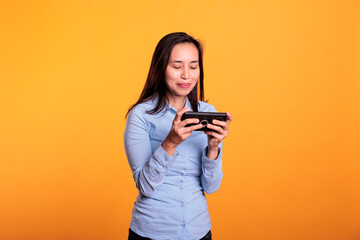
134	236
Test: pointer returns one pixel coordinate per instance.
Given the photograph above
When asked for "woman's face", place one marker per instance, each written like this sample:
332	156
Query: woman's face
183	70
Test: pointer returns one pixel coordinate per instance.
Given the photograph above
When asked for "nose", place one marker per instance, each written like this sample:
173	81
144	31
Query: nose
185	74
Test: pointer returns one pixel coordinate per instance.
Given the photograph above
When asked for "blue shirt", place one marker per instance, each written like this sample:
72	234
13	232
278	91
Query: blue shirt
171	203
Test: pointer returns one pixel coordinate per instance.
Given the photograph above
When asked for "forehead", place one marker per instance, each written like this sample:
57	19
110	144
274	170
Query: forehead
184	52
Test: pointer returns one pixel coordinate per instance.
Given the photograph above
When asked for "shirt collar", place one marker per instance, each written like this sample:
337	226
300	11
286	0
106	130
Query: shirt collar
155	99
187	104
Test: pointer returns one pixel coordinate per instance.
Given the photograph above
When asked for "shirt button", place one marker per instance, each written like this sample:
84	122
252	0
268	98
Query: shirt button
182	205
183	225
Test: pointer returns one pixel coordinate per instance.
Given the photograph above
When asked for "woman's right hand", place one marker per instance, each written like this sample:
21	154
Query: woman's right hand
179	132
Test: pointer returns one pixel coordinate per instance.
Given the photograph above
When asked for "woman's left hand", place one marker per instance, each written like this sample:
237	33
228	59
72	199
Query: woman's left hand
221	130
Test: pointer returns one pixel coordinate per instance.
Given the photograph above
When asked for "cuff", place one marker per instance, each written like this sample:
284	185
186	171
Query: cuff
209	163
163	158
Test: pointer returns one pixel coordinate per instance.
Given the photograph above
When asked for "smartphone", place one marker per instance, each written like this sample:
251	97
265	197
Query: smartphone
204	118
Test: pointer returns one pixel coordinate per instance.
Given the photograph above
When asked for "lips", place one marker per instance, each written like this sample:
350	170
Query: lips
184	85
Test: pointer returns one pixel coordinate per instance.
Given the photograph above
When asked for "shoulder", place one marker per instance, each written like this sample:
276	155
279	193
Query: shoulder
138	113
138	118
206	107
141	109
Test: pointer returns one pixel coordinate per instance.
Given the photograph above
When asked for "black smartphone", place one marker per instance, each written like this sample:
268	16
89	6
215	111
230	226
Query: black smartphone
204	118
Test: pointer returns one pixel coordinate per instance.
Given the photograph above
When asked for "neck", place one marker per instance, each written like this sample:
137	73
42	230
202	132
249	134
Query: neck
177	102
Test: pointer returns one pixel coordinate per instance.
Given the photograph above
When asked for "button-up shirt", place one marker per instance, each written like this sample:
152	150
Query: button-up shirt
171	203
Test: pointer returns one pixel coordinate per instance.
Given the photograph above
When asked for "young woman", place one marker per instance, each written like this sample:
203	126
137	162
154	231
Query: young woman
173	165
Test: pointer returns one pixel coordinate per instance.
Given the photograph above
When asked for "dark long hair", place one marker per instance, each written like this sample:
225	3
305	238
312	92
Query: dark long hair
155	84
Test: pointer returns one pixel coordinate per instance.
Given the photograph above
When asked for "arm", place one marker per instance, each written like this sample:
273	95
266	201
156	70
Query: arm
212	156
212	174
149	169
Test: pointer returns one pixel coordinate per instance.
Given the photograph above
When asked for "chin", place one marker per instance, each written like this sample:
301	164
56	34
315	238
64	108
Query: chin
184	94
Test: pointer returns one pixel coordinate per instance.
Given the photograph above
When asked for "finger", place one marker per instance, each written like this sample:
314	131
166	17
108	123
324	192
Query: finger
186	132
180	113
223	123
216	135
194	127
229	119
188	121
220	123
218	129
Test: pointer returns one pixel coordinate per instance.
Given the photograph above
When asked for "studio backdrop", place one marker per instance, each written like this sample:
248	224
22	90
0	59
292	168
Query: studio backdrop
288	71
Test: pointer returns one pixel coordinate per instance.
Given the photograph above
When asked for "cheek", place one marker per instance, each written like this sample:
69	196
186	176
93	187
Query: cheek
170	75
169	80
195	75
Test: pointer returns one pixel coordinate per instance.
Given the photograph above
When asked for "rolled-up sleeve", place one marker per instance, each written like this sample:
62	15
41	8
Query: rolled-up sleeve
212	174
149	169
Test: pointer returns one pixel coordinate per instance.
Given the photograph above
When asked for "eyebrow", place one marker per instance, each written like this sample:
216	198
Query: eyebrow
178	61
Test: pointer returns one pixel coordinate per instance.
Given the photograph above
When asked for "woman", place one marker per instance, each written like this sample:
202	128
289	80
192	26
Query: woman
173	165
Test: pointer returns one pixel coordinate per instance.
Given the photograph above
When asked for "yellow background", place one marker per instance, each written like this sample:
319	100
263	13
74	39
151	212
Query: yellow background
288	71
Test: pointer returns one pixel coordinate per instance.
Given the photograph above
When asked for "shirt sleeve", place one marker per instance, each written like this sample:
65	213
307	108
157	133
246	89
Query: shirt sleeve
149	169
212	174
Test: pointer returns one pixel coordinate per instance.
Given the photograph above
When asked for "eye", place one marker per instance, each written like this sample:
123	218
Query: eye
176	67
193	67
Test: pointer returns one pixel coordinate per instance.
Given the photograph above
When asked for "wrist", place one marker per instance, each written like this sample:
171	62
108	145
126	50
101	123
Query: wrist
212	152
169	146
